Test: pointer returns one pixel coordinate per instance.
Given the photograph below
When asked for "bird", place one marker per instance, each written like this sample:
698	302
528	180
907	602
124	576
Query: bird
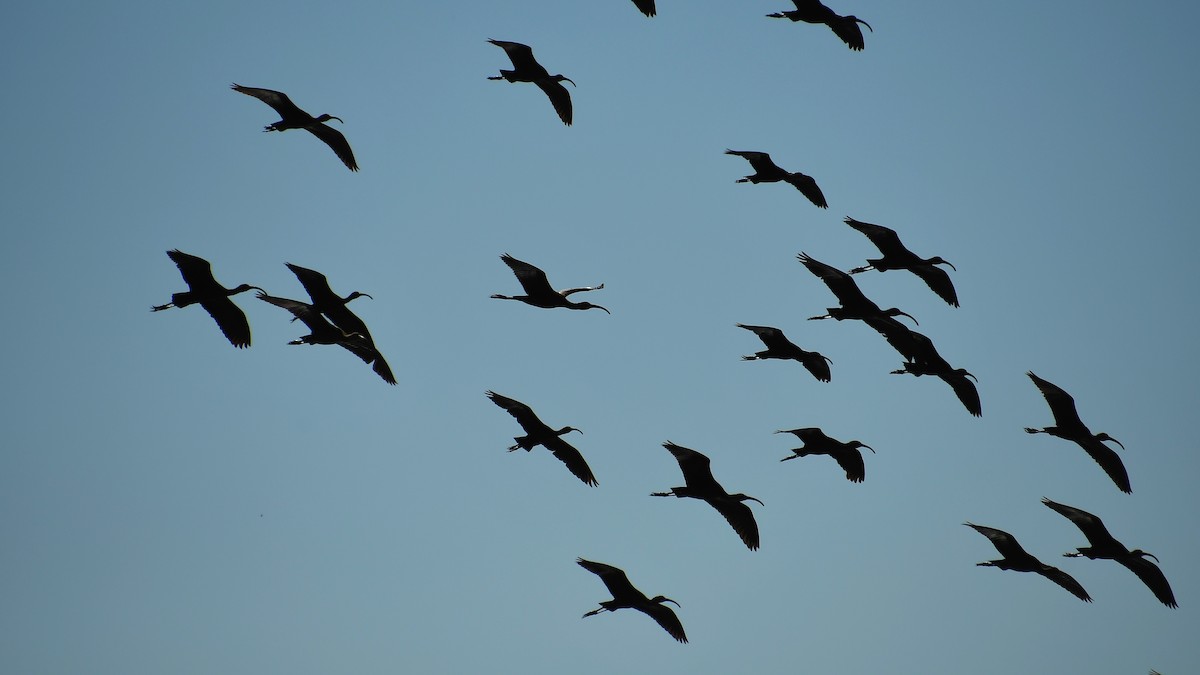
812	11
527	69
292	117
1104	545
646	6
766	171
212	296
957	378
897	257
333	306
538	291
1067	425
924	359
538	433
1018	559
847	455
854	305
325	333
701	485
625	596
779	347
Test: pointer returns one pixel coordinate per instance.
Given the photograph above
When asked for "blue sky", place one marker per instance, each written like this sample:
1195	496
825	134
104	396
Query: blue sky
171	504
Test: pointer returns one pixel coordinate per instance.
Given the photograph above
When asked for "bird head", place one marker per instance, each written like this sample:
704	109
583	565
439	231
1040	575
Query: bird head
659	599
965	373
567	430
325	117
896	312
860	444
560	78
862	22
1105	437
357	294
939	260
1143	554
744	497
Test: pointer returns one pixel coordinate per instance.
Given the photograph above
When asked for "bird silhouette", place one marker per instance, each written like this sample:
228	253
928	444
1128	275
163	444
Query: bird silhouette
854	304
212	296
527	69
538	433
646	6
538	291
1018	559
701	485
1067	425
897	257
625	596
845	27
779	347
766	171
847	455
292	117
322	332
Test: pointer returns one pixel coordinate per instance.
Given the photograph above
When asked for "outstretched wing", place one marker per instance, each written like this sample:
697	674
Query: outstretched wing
523	413
884	238
851	461
1153	577
334	139
666	618
1004	542
846	28
231	320
1109	460
559	97
808	187
532	278
695	467
842	284
759	161
773	338
1065	580
1062	405
965	390
613	577
276	99
570	456
520	55
938	281
740	518
647	6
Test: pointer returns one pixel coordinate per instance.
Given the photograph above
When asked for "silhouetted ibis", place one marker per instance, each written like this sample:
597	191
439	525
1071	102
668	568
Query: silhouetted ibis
212	296
847	455
332	305
1104	545
897	257
527	69
766	171
1068	425
625	596
779	347
1018	559
646	6
325	333
538	433
538	291
924	359
292	117
701	485
963	388
855	305
812	11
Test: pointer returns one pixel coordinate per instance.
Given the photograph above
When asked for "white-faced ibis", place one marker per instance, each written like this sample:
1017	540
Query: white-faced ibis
779	347
897	257
625	596
1105	546
332	305
527	69
766	171
538	433
212	296
646	6
847	455
1018	559
292	117
539	292
854	305
1067	425
812	11
325	333
701	485
924	359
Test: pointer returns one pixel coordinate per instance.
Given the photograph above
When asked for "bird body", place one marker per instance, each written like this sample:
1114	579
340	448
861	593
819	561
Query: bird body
626	596
322	332
854	304
701	485
538	291
204	290
333	306
292	117
538	433
847	455
766	171
1068	426
779	347
813	11
1018	559
527	69
896	256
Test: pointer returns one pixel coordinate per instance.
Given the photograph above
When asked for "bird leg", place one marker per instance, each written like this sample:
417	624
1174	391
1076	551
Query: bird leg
664	494
857	270
1030	430
159	308
594	612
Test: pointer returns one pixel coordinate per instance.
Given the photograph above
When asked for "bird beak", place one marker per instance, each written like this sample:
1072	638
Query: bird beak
336	118
603	308
259	290
951	265
914	319
869	448
977	380
672	602
571	81
865	24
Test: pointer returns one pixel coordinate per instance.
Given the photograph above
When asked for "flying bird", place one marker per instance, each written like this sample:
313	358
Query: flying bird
924	359
538	433
854	305
845	27
212	296
1067	425
292	117
1104	545
701	485
322	332
646	6
1018	560
779	347
766	171
897	257
847	455
332	305
538	291
527	69
625	596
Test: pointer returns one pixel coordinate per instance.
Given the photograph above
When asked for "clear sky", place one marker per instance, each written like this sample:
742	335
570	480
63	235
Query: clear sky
170	504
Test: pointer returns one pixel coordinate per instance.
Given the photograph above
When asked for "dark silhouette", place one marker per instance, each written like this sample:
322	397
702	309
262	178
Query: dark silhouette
779	347
332	305
897	257
812	11
1104	545
625	596
1018	560
212	296
1069	426
538	433
847	455
538	291
701	485
854	305
765	171
325	333
923	359
292	117
646	6
527	69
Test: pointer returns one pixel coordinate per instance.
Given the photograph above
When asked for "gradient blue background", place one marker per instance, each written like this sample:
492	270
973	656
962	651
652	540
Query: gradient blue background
169	504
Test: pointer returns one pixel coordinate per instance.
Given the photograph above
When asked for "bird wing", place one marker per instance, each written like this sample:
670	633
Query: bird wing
740	518
851	461
884	238
842	284
382	369
196	271
230	319
570	456
666	618
938	281
1109	460
532	278
523	413
520	55
1062	405
560	98
773	338
759	161
808	187
613	577
965	390
808	434
1153	577
276	99
817	364
902	338
1091	526
695	467
331	305
647	7
301	310
334	139
1065	580
1004	542
847	29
